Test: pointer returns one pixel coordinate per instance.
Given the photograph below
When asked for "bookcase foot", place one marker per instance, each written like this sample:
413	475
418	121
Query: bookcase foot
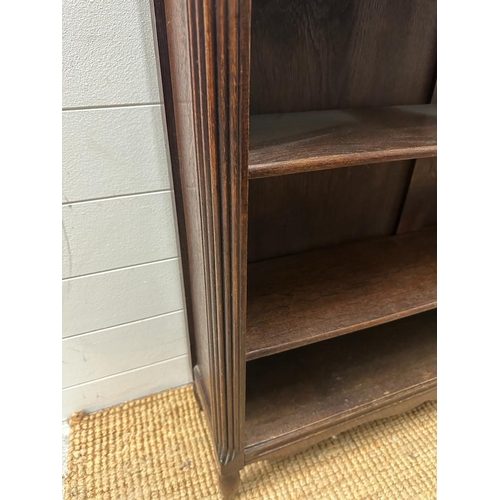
229	484
197	397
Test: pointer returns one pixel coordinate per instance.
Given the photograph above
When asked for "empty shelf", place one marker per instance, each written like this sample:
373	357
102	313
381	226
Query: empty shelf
311	296
301	142
333	385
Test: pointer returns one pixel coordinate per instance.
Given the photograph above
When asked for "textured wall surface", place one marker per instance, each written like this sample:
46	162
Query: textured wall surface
124	327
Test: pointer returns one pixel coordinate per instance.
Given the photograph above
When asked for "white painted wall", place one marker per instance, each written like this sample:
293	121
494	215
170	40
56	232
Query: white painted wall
124	327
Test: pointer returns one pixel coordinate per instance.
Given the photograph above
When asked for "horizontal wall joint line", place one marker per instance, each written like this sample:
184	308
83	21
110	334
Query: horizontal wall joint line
69	278
126	371
111	106
107	328
116	196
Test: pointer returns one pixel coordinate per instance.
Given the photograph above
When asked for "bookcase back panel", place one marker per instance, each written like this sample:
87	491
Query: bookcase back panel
293	213
420	209
330	54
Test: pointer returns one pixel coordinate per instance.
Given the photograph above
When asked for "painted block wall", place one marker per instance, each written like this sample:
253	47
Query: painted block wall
124	325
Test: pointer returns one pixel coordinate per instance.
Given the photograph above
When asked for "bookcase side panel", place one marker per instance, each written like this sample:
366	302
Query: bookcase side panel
204	60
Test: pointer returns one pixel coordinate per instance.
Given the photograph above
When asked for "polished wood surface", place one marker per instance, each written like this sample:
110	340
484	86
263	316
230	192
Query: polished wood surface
171	20
299	441
316	55
204	53
322	386
310	55
304	298
420	208
294	213
300	142
220	50
168	71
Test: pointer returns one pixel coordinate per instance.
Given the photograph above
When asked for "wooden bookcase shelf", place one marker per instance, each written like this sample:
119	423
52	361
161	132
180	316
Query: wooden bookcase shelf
322	386
289	143
312	296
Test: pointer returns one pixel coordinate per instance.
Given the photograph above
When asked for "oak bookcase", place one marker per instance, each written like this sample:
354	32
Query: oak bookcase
303	142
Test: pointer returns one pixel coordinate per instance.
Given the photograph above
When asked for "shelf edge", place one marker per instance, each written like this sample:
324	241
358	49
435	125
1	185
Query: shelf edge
312	164
269	351
309	435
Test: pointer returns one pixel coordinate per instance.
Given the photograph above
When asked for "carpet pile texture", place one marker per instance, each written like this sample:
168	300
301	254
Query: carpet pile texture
158	447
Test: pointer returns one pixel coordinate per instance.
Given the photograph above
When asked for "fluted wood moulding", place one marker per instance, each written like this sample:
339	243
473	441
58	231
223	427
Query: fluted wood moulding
283	250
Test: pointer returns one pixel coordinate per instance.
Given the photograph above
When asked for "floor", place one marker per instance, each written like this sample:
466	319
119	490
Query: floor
158	447
65	449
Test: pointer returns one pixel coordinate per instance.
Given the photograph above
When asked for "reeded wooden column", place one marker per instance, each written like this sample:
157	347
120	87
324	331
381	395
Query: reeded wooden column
203	49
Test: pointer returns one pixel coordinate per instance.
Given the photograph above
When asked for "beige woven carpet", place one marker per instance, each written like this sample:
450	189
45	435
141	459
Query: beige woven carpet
158	448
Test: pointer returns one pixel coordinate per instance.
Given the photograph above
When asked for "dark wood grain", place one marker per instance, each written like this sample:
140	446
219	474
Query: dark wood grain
166	63
333	54
325	55
204	52
314	434
220	38
306	56
420	208
304	298
301	142
173	53
295	213
342	382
